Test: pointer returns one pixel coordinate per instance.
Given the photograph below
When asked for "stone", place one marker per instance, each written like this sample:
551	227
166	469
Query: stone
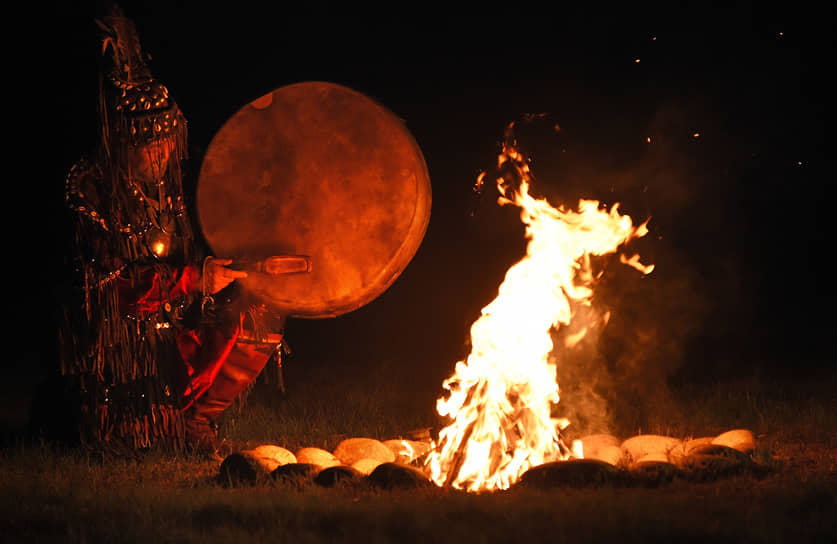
603	447
242	467
641	445
713	461
398	475
272	456
340	474
650	459
317	456
693	443
653	469
677	453
572	473
407	451
351	450
611	455
365	466
594	442
296	472
247	466
737	439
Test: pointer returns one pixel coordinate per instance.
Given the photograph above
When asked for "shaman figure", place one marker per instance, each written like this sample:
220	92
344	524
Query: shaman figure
148	360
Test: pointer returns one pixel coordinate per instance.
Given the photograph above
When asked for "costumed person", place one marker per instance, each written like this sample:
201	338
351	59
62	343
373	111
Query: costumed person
153	340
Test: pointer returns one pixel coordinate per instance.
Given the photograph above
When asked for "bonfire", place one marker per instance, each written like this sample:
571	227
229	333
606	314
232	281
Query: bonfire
501	398
502	395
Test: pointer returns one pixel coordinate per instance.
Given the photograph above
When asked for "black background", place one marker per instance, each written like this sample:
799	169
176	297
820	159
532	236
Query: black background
740	215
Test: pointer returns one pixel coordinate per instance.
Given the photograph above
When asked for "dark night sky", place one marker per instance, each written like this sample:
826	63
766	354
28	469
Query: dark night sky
739	224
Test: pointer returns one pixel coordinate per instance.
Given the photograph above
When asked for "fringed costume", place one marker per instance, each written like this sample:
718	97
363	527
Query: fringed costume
148	363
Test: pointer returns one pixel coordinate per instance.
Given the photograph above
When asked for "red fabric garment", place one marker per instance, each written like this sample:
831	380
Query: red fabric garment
203	350
142	294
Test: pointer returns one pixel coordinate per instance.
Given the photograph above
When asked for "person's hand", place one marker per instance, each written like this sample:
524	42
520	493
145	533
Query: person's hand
217	275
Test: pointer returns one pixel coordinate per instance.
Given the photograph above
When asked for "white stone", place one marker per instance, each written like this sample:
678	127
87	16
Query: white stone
271	456
737	439
593	443
317	456
611	455
366	466
353	449
641	445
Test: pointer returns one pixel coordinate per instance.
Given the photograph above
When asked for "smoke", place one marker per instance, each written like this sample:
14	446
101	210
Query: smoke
617	379
644	331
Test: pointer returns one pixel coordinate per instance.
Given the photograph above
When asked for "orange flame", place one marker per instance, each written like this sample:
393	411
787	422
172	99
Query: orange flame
501	397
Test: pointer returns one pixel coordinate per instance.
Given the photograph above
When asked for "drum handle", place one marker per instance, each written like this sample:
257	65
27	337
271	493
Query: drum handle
281	265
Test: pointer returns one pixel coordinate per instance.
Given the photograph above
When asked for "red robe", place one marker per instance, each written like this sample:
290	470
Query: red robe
204	350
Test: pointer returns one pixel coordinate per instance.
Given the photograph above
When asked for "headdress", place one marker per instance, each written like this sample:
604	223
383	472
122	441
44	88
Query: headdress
135	108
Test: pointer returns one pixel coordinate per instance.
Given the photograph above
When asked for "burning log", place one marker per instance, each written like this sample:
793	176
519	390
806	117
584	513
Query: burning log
458	456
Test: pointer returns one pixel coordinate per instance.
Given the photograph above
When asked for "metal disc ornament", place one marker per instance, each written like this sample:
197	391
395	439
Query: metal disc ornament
320	192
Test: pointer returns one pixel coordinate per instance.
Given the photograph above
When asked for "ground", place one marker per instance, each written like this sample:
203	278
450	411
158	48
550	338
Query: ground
69	496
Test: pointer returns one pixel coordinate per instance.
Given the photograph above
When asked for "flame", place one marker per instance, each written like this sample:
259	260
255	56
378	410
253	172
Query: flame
501	396
407	451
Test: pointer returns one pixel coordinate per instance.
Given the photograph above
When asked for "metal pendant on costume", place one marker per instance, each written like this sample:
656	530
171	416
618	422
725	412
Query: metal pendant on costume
159	239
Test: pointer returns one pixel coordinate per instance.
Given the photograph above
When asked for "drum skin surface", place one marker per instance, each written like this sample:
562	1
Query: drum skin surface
315	169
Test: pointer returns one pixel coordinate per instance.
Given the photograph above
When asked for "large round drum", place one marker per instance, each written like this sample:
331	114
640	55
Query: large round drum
320	170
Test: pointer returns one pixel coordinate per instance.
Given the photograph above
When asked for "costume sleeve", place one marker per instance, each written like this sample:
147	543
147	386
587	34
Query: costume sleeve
187	282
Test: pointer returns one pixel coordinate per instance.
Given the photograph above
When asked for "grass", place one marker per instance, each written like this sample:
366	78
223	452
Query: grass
52	495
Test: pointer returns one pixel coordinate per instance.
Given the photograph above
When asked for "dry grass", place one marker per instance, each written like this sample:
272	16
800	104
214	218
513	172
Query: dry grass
49	495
